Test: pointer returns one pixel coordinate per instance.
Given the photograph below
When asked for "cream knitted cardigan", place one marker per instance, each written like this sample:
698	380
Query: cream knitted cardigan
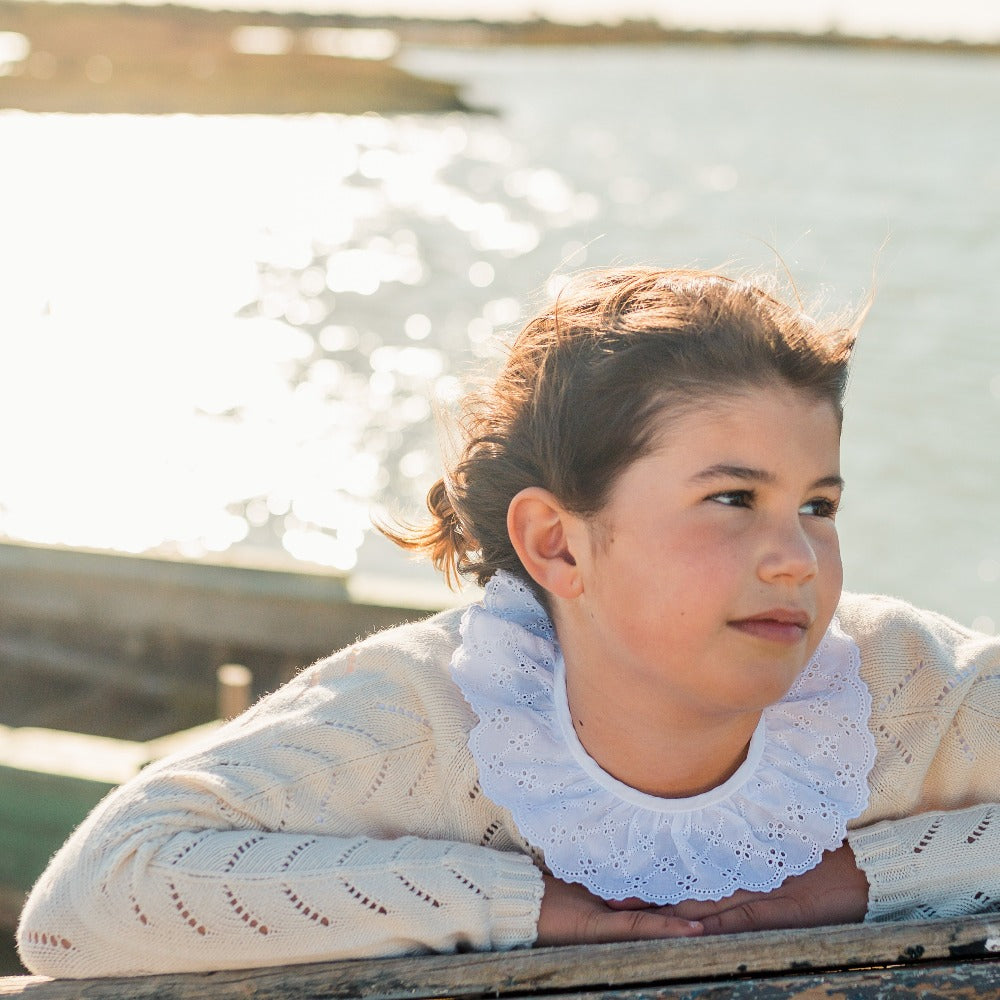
342	816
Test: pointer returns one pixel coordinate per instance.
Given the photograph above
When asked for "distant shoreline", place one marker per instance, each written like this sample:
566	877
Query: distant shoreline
541	31
170	58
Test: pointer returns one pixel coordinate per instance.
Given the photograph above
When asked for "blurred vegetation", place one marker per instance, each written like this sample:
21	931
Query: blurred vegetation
96	58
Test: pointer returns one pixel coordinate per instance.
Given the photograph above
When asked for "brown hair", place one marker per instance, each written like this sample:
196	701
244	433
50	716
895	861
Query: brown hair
575	402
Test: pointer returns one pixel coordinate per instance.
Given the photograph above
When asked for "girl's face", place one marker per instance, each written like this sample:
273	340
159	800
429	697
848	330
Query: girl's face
712	573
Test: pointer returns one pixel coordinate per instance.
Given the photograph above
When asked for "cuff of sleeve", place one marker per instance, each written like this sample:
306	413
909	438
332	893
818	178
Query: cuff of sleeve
516	901
897	885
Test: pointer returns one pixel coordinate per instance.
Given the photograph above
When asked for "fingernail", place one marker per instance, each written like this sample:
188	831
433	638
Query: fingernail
696	925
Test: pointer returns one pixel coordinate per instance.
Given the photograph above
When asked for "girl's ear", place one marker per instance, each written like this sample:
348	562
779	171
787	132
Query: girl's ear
541	531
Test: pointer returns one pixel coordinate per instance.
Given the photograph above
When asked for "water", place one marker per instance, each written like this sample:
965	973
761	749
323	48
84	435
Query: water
230	334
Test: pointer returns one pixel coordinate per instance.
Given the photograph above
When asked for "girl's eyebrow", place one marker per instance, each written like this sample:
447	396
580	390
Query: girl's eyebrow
724	471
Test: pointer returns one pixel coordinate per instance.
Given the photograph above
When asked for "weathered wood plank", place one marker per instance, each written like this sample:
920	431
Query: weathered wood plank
53	658
577	968
944	981
141	637
220	602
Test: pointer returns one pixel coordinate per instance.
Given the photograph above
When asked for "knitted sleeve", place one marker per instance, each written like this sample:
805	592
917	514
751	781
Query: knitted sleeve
943	864
336	819
929	842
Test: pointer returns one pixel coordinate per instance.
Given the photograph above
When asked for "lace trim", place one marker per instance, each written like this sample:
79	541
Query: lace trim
804	777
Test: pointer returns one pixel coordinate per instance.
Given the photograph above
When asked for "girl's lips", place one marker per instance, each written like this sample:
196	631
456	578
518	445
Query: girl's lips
775	626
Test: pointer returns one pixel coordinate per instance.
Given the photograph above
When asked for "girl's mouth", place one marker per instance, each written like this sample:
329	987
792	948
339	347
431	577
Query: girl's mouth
783	625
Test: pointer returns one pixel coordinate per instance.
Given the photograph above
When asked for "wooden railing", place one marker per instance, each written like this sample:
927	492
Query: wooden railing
940	958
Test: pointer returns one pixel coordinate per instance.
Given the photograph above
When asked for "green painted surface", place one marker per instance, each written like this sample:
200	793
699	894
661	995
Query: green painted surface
38	812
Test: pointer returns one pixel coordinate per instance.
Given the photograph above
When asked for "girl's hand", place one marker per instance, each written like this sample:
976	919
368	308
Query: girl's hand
572	915
834	892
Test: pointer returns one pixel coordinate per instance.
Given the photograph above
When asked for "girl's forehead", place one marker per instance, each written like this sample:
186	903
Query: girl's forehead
741	407
777	423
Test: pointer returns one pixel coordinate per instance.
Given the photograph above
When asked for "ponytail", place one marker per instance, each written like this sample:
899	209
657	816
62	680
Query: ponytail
443	541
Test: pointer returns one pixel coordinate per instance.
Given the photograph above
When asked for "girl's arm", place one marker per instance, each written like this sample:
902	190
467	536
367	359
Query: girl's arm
225	900
929	842
944	864
940	864
337	818
834	892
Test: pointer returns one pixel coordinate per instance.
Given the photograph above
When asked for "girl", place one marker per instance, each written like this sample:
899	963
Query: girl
663	718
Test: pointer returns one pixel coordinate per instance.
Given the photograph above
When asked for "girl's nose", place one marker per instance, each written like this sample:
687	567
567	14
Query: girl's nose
788	554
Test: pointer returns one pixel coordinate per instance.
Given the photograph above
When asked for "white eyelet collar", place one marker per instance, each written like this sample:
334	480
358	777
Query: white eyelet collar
805	776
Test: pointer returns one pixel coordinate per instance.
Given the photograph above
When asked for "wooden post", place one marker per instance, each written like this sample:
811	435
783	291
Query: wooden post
235	690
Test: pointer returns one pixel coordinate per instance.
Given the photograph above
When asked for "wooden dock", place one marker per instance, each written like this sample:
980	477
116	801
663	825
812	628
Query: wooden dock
942	958
131	644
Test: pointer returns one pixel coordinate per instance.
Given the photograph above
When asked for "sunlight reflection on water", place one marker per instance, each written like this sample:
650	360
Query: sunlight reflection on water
204	361
234	332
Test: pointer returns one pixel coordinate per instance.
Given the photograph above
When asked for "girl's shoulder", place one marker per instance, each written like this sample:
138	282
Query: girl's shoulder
902	645
865	613
384	693
428	642
401	670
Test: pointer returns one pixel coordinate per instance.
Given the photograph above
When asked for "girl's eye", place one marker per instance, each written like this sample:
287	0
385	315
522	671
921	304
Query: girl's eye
734	498
819	507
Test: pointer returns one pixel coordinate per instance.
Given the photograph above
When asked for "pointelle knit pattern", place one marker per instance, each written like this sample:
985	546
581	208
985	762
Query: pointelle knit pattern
342	816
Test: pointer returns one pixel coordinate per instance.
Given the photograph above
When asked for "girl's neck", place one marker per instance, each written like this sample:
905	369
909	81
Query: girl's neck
663	750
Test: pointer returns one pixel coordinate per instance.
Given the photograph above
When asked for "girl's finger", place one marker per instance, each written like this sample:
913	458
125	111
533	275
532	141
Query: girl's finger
699	909
632	903
648	924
